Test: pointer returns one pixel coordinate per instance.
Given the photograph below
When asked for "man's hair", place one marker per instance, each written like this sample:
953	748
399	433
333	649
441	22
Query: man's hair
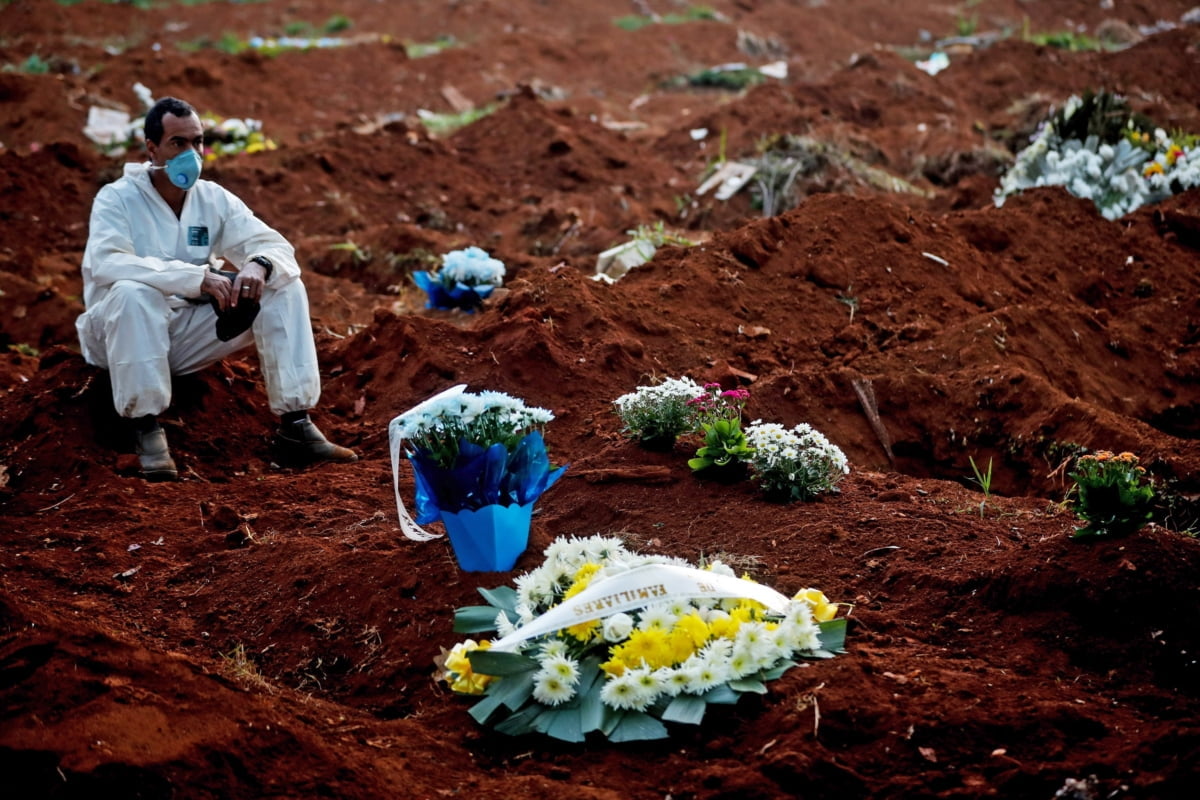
154	117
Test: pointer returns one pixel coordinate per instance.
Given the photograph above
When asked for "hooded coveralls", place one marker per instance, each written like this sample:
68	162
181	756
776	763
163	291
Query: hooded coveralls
139	269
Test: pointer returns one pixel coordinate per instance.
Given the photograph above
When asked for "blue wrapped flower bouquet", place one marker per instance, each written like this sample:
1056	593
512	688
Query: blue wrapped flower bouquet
466	279
479	463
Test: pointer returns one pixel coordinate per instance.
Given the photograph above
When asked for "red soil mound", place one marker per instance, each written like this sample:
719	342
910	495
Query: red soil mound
255	630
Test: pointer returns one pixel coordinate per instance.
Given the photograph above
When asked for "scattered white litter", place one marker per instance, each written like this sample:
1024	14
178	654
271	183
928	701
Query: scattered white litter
106	126
730	177
776	69
616	261
937	259
698	134
935	63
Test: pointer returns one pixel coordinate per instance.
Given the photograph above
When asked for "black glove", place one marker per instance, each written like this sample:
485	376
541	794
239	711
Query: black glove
235	319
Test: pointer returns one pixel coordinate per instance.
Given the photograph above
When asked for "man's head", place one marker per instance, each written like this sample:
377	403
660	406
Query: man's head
154	117
173	127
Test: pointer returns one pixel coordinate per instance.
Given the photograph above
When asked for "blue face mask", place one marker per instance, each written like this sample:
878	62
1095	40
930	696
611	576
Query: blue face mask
184	169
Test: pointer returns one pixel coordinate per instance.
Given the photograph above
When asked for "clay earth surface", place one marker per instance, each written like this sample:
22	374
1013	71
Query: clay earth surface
261	631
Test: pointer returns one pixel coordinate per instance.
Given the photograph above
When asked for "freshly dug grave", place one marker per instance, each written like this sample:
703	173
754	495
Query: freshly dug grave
258	631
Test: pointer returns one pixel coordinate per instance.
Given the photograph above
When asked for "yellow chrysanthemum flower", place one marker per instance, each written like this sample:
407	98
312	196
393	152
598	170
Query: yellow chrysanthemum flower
694	628
585	631
724	628
649	647
583	577
615	667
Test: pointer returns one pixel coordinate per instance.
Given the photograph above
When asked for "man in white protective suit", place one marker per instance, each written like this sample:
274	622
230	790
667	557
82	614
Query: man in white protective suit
157	304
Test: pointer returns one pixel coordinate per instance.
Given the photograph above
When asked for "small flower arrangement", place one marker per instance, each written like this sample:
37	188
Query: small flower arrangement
658	414
796	464
602	639
225	137
473	450
1098	149
718	415
1114	495
466	279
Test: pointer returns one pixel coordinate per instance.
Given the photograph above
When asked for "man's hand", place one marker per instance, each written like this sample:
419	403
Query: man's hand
218	286
248	285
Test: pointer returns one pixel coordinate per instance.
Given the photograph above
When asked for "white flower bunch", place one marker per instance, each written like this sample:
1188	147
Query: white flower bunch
1118	176
659	412
796	464
471	267
483	419
663	660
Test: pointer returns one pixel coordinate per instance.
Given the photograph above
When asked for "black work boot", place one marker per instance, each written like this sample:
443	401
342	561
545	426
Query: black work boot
154	458
303	443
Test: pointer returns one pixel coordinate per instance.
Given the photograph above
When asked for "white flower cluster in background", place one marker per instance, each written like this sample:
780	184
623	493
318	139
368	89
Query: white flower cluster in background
471	267
660	411
798	464
1118	176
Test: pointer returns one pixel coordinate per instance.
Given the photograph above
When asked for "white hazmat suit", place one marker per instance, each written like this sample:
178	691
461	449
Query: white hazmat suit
141	266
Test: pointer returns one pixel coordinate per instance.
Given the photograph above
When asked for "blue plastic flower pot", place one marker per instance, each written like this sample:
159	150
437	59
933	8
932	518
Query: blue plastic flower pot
489	539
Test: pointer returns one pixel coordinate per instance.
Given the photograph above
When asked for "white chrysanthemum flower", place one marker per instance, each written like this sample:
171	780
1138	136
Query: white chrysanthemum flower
704	676
674	680
623	693
679	607
553	648
755	640
656	617
719	567
562	666
617	627
503	626
649	683
550	689
742	663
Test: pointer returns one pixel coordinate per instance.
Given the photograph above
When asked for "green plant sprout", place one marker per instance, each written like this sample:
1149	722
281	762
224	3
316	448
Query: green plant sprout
850	300
359	254
423	49
337	23
984	479
446	124
658	236
635	22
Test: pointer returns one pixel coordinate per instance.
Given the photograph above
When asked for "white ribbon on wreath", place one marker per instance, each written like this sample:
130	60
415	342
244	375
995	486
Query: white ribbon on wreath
637	588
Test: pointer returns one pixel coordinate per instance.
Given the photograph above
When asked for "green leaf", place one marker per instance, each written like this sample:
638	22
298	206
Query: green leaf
563	724
591	708
520	722
721	695
776	672
637	727
833	635
496	663
748	685
687	709
475	619
502	597
509	692
611	719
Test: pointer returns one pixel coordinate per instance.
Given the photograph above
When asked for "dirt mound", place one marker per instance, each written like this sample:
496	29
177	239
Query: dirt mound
260	630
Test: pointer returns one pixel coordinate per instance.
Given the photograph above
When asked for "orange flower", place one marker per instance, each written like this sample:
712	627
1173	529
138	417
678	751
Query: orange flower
1153	168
